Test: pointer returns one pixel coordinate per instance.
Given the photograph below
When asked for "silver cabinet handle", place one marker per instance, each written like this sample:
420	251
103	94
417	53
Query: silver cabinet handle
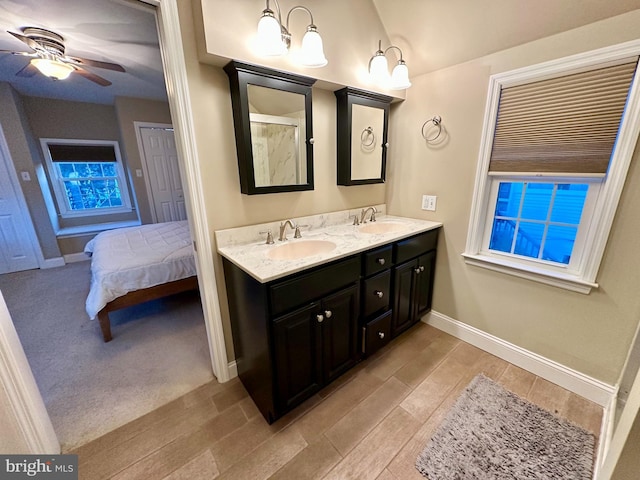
378	294
381	335
380	261
320	318
328	313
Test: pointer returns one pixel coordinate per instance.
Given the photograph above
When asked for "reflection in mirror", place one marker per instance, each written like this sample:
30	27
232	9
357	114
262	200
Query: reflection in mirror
277	118
273	126
366	158
363	118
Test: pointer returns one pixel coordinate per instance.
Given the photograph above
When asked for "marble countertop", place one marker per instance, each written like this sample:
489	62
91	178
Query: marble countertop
252	256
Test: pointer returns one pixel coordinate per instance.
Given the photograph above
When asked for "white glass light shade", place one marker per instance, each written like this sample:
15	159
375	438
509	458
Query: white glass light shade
400	77
379	69
312	51
52	68
269	39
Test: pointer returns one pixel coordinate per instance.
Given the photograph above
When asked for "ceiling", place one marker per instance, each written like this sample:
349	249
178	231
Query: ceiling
432	34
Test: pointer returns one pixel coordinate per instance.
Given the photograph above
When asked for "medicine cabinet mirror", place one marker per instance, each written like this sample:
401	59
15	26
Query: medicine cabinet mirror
273	126
363	119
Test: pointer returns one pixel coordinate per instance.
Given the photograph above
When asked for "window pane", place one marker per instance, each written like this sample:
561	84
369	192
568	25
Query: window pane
559	244
66	170
509	196
537	199
529	239
502	235
95	169
74	196
569	202
109	169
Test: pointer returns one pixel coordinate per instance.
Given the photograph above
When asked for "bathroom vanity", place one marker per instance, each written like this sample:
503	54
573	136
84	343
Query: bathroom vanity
300	319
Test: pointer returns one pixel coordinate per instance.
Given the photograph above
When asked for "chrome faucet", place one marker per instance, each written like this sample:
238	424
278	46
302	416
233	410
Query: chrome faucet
364	214
283	228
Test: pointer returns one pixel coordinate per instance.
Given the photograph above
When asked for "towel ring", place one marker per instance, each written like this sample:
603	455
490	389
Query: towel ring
437	121
367	133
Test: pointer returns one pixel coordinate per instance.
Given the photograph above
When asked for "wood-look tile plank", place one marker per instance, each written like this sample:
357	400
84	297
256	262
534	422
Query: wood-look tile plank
230	395
336	406
201	467
370	457
268	458
517	380
584	413
356	424
311	463
549	396
387	475
419	368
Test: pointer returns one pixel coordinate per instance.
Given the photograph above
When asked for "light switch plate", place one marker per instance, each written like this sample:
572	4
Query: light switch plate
429	202
138	172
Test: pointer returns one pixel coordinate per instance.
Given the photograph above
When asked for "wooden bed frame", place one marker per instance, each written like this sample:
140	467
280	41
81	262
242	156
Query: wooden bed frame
141	296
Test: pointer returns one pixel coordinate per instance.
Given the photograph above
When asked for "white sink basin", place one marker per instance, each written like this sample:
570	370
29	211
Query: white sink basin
300	249
382	227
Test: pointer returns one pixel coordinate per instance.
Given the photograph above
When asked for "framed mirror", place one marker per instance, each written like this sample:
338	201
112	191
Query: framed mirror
273	124
363	119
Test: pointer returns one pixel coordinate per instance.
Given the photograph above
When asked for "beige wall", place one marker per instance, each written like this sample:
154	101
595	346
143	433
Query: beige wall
129	110
23	149
589	333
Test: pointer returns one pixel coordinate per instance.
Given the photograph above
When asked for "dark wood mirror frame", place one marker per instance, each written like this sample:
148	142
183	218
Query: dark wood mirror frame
240	76
346	98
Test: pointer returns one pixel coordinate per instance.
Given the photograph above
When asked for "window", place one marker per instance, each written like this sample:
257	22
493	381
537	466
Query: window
558	139
87	177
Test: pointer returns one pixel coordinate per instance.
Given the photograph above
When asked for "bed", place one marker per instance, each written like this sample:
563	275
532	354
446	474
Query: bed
136	264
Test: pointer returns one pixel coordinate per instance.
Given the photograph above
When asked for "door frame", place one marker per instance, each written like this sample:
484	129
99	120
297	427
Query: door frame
138	126
22	202
24	400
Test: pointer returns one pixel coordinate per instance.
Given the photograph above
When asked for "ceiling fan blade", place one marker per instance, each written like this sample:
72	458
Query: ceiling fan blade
92	76
31	43
27	71
95	63
26	54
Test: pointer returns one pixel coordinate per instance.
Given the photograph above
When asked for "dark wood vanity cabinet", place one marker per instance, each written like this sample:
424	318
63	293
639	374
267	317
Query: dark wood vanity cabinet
294	335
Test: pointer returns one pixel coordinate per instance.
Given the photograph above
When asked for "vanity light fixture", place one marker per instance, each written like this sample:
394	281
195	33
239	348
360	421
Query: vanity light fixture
379	70
52	68
275	39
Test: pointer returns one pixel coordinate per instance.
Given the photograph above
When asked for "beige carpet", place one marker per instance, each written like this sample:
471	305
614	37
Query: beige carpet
159	351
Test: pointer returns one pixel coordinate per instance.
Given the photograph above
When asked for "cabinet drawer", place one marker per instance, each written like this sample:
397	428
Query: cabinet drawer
414	246
376	293
303	288
376	334
376	260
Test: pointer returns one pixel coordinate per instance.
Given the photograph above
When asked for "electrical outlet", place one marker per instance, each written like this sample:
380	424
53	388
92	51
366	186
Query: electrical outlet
25	176
429	202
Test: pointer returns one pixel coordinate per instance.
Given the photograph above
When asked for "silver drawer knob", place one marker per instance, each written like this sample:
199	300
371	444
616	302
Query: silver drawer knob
417	269
380	261
422	268
320	318
381	335
378	294
328	313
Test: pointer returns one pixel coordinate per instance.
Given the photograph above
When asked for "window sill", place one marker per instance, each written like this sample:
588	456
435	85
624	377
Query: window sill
95	228
556	279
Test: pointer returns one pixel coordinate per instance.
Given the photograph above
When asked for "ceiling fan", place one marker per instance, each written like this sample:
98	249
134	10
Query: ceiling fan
48	57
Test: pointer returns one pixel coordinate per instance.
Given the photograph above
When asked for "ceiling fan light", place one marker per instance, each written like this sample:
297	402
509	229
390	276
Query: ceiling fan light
400	77
312	51
269	39
52	68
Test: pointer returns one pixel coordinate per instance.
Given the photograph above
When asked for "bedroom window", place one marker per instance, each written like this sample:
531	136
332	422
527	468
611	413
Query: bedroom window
557	142
87	177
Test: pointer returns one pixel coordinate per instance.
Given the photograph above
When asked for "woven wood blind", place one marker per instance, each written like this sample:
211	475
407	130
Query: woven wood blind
565	125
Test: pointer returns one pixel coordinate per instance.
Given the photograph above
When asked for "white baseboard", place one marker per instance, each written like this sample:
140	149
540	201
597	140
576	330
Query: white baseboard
574	381
76	257
52	262
233	369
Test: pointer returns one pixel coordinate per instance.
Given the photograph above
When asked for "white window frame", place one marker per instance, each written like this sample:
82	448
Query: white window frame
57	181
581	276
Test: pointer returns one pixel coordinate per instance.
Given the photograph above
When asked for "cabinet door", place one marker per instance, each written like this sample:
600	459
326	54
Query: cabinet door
340	343
297	342
424	282
403	293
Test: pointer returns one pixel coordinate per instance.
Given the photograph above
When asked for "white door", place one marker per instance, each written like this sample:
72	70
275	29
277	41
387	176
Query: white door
16	249
163	175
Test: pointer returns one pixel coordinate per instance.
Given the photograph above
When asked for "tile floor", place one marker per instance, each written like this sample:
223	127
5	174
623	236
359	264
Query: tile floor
371	423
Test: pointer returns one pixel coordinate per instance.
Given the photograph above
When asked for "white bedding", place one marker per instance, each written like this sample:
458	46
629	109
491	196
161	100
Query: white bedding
133	258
